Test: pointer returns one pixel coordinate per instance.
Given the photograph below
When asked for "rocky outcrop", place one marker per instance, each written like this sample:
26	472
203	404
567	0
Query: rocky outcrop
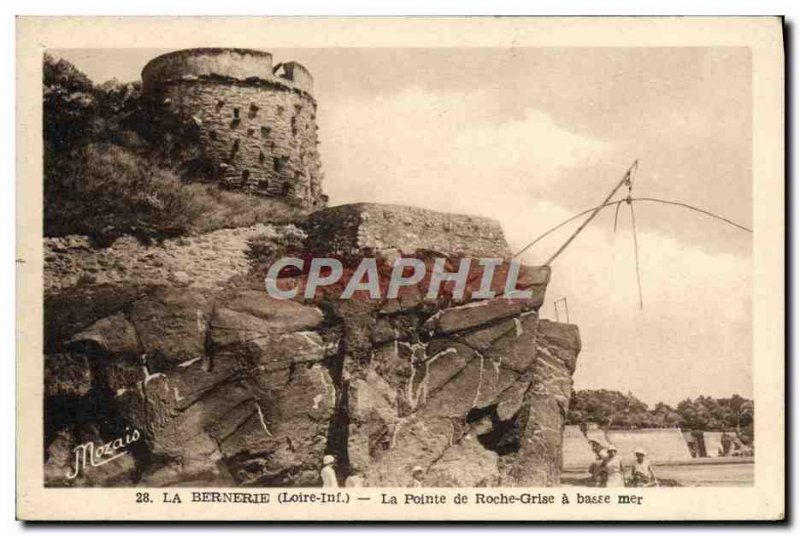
225	388
480	405
225	385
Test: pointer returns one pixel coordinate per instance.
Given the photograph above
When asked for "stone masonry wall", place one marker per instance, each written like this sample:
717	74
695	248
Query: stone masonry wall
259	140
361	228
205	261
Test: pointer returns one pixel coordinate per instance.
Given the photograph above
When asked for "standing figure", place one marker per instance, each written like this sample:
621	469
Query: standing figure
642	474
612	467
596	468
328	474
416	476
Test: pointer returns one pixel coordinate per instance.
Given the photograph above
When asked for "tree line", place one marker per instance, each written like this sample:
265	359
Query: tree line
612	409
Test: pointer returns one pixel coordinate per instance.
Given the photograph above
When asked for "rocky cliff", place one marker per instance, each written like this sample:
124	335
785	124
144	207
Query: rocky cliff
225	385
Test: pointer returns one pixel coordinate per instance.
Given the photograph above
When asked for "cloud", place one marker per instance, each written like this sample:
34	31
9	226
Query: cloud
442	151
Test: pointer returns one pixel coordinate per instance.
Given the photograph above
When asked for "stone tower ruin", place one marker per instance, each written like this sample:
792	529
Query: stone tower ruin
230	116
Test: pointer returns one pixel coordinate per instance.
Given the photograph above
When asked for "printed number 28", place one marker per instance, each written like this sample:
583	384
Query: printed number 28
143	497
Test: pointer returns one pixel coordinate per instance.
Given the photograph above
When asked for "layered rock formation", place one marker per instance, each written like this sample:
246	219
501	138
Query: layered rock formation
227	386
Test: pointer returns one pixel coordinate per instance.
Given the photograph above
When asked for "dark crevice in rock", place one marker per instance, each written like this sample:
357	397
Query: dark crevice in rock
339	426
338	431
504	437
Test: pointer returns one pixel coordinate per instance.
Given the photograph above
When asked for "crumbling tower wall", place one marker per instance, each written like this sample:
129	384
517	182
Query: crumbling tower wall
231	116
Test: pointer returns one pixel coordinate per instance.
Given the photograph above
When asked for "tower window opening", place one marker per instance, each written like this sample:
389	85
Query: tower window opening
279	163
263	184
265	131
245	174
220	104
253	110
236	113
261	157
234	149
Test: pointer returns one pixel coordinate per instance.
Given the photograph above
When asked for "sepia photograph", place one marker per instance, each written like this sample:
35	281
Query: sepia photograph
525	271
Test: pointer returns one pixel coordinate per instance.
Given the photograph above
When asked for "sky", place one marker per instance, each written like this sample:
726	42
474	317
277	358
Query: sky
533	136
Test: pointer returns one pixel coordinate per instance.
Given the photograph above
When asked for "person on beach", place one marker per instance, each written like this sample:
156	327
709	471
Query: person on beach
613	469
642	474
596	468
327	473
416	477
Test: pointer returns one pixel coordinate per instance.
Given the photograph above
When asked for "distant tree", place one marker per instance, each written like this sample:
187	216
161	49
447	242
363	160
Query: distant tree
608	408
664	416
614	409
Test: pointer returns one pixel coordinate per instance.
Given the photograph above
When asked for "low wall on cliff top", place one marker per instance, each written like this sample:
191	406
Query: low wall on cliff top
361	228
204	261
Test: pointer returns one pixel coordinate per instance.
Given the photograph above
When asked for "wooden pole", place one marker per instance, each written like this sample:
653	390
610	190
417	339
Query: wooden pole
591	216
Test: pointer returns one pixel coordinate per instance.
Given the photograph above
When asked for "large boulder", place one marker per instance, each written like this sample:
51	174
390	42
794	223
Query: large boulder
546	402
172	322
113	334
414	442
222	389
495	391
372	412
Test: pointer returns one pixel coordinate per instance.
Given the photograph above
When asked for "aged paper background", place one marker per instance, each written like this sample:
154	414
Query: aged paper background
765	500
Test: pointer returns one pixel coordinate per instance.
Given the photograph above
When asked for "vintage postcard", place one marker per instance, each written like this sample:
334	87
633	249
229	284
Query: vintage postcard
400	269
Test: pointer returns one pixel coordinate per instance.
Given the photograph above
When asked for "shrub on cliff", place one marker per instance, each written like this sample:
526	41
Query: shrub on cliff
225	209
108	190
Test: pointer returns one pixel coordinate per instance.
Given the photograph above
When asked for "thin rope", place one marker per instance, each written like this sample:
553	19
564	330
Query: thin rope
616	215
636	256
696	209
557	227
611	203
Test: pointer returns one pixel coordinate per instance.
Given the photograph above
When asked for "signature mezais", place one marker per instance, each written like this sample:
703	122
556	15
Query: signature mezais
94	456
